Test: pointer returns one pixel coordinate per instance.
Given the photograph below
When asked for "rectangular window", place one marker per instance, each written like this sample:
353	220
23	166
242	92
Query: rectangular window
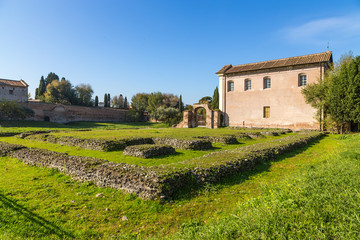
266	112
230	86
11	91
267	83
247	84
302	80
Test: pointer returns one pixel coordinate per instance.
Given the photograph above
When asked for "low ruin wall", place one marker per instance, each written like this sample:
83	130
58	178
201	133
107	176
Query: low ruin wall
69	113
158	182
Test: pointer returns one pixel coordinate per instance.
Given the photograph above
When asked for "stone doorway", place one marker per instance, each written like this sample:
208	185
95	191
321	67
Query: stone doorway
200	116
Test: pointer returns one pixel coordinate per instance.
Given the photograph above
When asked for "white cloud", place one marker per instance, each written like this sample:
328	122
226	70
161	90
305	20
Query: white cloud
335	29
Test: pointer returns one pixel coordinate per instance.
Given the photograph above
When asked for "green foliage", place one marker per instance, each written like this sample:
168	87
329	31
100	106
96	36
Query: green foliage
105	100
108	100
168	115
61	92
121	102
84	92
96	101
126	104
155	100
181	105
115	102
320	202
205	100
13	111
337	97
215	100
49	79
139	103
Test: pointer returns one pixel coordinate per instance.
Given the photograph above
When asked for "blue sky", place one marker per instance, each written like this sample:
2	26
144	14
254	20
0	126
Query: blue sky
174	46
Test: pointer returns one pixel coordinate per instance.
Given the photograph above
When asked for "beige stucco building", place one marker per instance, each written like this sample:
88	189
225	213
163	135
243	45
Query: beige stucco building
268	94
13	90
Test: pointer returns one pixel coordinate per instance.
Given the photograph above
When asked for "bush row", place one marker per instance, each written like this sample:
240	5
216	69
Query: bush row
148	150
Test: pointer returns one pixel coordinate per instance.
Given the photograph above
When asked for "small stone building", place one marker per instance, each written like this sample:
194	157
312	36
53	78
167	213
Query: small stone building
13	90
268	94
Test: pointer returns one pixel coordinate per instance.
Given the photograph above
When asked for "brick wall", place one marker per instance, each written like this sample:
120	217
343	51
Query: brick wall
68	113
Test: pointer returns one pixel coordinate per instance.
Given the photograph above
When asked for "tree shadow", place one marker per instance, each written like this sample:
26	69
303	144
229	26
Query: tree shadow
49	227
191	191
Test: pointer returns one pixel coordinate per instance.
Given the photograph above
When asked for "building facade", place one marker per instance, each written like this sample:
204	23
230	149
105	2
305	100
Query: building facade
268	94
13	90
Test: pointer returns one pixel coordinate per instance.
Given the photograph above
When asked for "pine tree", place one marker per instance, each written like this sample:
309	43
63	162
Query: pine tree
96	101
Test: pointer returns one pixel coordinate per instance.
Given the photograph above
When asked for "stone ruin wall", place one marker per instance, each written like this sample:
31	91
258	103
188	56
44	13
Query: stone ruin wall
68	113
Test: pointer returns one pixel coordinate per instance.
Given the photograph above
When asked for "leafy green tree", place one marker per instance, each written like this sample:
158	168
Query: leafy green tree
215	99
115	102
96	101
84	92
49	79
168	115
170	100
11	110
155	100
205	100
60	92
139	103
316	94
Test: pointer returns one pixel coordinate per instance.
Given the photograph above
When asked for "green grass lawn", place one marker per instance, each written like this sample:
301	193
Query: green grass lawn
39	203
152	132
24	126
117	156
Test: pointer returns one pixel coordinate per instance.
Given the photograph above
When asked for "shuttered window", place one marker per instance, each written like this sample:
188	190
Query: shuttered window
266	112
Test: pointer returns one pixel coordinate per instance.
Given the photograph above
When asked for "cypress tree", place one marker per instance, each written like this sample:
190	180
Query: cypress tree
215	99
181	106
36	93
42	87
108	100
105	100
125	103
96	101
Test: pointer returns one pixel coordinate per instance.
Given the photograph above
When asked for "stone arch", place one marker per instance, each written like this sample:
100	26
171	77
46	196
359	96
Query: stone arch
190	117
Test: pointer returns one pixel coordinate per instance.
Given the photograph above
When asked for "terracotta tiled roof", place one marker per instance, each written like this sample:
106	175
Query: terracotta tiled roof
284	62
13	83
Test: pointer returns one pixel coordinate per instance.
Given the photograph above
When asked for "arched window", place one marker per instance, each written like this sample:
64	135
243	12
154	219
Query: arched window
230	86
267	82
302	80
247	84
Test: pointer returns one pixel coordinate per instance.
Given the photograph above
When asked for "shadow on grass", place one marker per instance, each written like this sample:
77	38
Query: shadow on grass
46	227
189	192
